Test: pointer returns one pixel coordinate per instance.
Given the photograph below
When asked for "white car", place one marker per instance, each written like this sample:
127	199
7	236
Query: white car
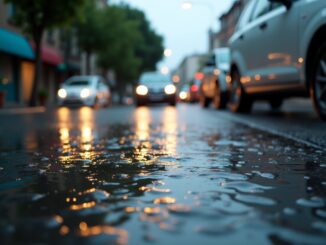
277	51
84	90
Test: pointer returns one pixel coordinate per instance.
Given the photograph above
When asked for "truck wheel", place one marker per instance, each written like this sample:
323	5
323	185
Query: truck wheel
203	100
139	103
239	101
96	103
318	82
276	104
220	98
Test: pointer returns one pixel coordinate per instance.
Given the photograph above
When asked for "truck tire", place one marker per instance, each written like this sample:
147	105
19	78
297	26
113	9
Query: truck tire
318	82
239	101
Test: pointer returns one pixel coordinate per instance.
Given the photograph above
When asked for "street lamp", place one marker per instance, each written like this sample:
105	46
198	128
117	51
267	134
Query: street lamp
186	5
168	52
165	70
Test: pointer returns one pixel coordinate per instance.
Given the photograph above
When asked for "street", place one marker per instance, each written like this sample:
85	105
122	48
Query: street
161	174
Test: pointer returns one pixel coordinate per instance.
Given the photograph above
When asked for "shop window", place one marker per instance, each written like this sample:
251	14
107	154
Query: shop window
11	10
50	37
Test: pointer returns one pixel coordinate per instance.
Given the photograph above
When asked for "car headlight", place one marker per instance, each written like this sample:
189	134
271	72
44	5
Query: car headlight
183	95
170	89
85	93
141	90
62	93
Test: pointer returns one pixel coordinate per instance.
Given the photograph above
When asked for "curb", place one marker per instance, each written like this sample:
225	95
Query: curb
24	110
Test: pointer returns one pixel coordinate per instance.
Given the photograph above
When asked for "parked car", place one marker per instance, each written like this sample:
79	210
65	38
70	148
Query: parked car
194	90
279	51
84	90
214	86
155	87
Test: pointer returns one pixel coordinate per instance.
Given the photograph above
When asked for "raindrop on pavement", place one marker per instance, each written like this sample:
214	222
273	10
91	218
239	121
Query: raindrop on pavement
313	202
255	200
230	176
246	187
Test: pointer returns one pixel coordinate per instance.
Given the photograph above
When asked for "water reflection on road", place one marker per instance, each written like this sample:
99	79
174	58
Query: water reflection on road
162	177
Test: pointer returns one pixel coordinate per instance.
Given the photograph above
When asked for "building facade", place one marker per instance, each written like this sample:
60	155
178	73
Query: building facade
188	68
15	55
228	22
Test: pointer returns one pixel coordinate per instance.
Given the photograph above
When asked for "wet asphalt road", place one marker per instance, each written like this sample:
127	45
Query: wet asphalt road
162	175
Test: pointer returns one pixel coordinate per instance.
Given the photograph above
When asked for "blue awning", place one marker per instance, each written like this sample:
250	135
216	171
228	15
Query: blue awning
15	44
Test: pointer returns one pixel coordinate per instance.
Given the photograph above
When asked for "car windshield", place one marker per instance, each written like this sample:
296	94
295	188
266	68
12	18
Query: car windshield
185	88
154	78
78	83
223	58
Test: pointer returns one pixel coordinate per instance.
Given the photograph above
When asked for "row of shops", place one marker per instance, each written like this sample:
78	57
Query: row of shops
17	61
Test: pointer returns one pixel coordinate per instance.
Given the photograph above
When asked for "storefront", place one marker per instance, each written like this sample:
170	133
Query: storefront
51	59
14	52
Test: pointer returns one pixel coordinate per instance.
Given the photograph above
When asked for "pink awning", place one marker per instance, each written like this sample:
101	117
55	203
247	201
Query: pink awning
50	55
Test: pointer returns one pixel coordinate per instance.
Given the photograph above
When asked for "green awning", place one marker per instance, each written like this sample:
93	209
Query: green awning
15	44
68	67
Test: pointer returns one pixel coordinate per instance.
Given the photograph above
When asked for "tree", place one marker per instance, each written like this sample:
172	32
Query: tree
132	47
91	31
36	16
151	49
121	36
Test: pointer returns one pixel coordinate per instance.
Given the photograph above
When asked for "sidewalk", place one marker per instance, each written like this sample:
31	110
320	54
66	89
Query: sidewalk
21	110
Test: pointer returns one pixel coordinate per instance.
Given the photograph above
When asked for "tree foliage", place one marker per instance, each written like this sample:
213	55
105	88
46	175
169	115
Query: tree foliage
150	50
33	16
132	46
90	31
119	53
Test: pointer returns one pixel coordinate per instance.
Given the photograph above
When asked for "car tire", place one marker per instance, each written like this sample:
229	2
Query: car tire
138	104
276	104
96	103
220	98
318	82
239	101
173	103
204	101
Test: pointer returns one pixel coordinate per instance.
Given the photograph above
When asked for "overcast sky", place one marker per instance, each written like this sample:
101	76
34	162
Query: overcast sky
184	31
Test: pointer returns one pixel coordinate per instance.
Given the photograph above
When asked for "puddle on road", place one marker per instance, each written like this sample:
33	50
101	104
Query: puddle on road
161	182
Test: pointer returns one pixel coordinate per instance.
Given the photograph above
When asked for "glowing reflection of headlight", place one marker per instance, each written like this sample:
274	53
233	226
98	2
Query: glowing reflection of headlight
62	93
170	89
183	95
85	93
141	90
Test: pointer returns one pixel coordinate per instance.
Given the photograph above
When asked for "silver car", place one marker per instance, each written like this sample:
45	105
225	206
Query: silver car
277	51
84	90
